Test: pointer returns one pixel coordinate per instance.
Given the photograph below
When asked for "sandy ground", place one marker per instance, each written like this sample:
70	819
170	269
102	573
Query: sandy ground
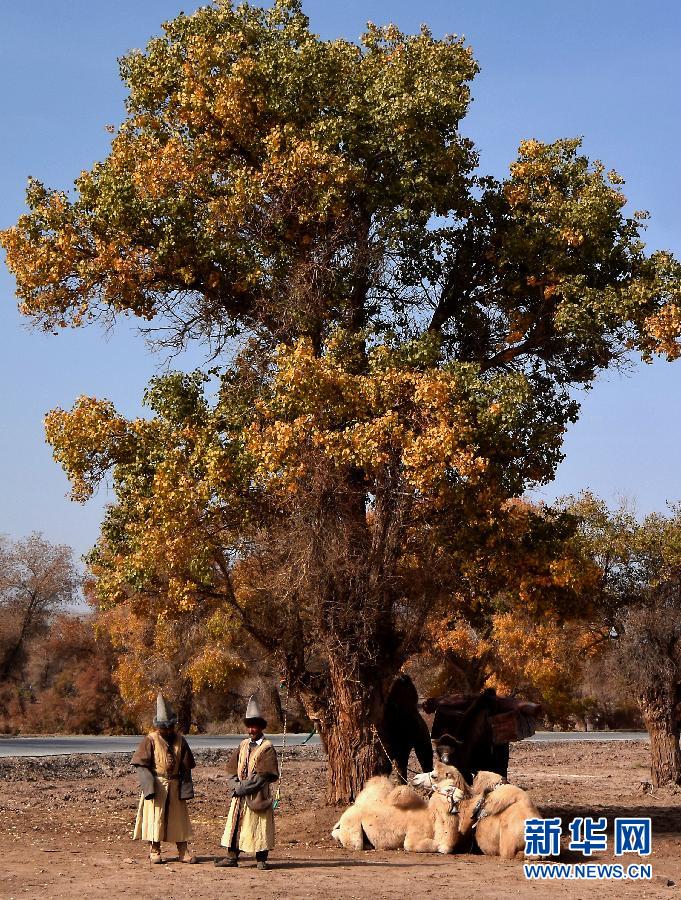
65	829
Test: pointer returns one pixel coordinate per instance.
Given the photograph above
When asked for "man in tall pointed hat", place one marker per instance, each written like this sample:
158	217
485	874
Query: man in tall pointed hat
252	768
164	766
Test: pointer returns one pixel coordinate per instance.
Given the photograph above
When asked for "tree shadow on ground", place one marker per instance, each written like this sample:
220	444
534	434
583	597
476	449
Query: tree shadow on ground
340	863
311	863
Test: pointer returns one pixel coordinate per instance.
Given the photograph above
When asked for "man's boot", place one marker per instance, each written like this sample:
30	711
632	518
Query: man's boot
228	862
261	859
183	855
155	852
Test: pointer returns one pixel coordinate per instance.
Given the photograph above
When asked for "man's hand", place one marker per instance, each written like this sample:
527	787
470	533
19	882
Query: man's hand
249	786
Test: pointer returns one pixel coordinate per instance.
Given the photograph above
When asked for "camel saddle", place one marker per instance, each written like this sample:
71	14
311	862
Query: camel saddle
511	719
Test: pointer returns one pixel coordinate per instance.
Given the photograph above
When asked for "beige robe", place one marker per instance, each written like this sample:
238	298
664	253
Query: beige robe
164	817
249	830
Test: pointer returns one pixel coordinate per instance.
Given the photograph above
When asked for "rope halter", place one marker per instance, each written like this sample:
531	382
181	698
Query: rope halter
479	811
452	794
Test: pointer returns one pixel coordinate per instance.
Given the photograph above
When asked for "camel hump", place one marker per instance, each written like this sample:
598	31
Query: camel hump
500	800
487	781
403	797
375	790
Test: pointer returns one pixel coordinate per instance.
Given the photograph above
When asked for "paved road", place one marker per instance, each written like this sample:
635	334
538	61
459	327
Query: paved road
53	746
553	736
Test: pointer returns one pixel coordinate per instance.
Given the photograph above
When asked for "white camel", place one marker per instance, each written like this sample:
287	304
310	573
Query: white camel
397	818
497	812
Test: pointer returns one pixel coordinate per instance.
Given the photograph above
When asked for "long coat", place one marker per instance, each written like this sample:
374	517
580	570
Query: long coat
162	766
250	821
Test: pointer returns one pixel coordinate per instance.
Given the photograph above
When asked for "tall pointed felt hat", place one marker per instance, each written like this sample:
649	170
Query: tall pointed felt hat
165	717
253	714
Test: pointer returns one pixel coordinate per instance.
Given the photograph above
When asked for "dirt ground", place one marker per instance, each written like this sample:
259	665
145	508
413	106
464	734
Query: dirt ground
65	827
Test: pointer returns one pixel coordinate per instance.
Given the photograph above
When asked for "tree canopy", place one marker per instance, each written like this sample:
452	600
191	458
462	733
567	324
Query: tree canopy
267	180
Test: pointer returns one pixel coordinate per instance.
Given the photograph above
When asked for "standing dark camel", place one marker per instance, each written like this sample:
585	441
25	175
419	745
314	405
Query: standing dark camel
464	737
404	728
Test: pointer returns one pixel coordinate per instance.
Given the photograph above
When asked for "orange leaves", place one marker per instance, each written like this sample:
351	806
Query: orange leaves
159	648
302	171
664	328
437	451
43	252
181	594
460	638
162	167
87	441
251	151
530	148
394	415
216	666
546	654
523	617
572	237
516	194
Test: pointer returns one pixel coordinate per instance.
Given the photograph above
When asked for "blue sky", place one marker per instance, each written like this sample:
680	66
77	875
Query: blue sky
607	71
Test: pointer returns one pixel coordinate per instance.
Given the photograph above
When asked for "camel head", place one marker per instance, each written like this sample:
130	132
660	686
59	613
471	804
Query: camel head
448	749
446	779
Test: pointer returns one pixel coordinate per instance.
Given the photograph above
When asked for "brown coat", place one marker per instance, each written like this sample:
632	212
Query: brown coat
250	820
157	757
165	770
254	779
146	756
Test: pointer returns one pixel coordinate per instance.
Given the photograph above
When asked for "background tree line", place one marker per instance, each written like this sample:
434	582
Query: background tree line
67	668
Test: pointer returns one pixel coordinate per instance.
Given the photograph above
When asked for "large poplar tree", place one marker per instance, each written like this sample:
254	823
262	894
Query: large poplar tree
394	339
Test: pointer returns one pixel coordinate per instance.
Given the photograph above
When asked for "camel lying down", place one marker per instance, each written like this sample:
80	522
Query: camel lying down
496	813
397	818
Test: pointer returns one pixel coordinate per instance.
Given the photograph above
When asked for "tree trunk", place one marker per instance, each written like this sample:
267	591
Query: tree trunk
9	661
185	705
659	719
467	676
14	653
349	723
362	651
274	701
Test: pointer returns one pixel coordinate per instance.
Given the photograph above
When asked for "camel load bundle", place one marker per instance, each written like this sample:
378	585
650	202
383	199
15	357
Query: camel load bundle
510	718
